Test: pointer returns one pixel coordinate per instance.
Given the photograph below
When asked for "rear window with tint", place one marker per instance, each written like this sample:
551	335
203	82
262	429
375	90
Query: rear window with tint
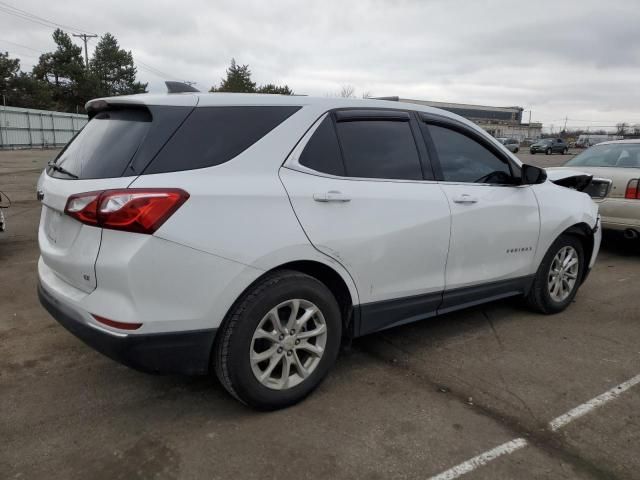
379	149
322	152
106	145
214	135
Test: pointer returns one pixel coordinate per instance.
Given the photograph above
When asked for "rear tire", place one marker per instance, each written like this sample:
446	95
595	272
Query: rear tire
558	278
269	357
516	150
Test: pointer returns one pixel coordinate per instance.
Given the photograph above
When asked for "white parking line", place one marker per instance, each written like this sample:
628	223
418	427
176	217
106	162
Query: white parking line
555	424
600	400
482	459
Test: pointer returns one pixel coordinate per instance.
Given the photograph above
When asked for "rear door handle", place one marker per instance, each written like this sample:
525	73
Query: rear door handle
331	196
465	198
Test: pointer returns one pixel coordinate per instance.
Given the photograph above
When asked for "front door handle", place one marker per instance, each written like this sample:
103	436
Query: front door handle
331	196
465	198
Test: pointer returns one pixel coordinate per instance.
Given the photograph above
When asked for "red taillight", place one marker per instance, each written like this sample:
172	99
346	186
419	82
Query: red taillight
120	325
632	191
140	210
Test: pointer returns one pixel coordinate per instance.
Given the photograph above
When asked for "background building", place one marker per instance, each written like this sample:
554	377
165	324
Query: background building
498	121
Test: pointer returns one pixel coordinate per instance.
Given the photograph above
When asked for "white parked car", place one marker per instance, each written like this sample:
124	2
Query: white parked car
251	234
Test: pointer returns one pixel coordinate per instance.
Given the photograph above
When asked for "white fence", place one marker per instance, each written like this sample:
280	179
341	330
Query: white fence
28	128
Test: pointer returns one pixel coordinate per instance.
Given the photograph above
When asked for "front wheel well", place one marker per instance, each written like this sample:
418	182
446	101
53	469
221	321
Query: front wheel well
585	234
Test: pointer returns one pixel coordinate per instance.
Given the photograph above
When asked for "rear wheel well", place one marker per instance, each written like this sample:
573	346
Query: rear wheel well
334	282
584	233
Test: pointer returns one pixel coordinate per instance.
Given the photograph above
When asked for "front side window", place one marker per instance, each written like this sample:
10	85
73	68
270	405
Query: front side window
462	159
379	149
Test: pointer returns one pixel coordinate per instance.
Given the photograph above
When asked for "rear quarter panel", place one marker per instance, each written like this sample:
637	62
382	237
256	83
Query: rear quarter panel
240	210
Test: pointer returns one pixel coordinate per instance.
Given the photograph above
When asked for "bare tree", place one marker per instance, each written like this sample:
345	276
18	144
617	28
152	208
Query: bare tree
636	129
347	91
367	94
621	129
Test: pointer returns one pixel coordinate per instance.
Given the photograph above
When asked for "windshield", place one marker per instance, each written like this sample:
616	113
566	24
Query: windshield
545	141
624	155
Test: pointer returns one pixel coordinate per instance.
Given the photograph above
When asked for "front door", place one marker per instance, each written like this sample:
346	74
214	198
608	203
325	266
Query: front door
494	221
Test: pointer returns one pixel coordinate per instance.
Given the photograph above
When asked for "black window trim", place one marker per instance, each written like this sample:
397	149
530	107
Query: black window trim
365	114
459	127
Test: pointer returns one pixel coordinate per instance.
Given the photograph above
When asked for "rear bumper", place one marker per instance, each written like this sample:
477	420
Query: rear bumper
185	352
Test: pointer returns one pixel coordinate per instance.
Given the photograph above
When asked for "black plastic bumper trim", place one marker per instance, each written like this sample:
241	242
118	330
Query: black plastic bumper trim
185	353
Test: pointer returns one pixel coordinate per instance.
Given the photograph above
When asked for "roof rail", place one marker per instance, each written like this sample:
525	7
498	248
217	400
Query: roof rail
179	87
391	99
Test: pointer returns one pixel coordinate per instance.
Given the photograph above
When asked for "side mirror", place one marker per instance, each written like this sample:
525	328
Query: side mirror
533	175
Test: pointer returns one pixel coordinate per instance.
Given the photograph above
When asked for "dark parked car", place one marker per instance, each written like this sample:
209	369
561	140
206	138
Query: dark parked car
549	146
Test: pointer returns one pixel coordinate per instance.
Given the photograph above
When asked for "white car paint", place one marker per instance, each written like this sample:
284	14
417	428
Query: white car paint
245	217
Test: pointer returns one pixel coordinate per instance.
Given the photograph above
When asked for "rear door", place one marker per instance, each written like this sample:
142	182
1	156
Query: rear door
494	220
100	157
357	184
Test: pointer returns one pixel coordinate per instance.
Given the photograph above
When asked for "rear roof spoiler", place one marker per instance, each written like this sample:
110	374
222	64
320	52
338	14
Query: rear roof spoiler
179	87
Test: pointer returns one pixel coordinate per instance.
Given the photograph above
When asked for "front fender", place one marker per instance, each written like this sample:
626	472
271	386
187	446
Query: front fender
560	209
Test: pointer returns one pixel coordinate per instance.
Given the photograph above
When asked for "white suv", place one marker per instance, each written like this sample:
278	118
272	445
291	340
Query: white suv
252	234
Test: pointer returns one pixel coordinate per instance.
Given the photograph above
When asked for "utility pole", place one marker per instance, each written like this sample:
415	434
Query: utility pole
85	37
565	124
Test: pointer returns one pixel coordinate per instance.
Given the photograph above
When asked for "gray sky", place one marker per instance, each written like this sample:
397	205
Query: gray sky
579	59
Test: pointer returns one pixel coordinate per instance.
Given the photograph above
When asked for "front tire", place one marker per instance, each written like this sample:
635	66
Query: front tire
557	280
548	151
278	341
565	151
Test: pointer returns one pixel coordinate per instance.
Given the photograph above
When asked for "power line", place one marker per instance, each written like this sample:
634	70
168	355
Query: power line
155	71
23	14
19	45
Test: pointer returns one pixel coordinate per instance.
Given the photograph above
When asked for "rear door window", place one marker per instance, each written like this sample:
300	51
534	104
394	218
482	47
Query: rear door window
105	146
322	152
379	149
214	135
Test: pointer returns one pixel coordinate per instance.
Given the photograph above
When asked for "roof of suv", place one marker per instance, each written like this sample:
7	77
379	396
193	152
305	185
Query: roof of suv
258	99
216	99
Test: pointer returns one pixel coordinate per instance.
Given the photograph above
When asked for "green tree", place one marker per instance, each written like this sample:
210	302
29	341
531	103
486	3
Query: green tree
21	89
271	88
238	80
113	69
9	68
64	72
30	92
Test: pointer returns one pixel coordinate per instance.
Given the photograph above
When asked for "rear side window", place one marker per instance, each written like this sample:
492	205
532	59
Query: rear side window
214	135
379	149
105	146
322	152
462	159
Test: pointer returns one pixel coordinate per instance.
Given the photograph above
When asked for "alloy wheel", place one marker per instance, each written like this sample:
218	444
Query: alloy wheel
563	274
288	344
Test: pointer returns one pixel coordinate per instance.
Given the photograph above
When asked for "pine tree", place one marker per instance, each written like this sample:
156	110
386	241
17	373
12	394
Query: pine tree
113	69
238	80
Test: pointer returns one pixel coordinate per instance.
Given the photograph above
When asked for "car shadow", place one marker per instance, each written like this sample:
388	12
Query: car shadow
615	243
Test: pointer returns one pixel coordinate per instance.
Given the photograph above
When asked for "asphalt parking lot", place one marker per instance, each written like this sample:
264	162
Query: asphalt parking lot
412	402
